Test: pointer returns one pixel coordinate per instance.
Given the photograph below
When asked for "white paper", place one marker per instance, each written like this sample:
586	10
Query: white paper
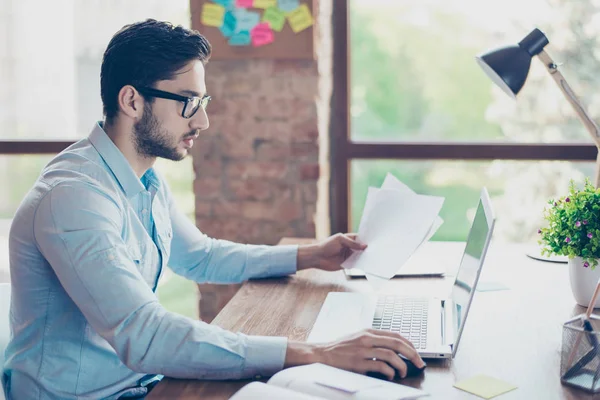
262	391
396	225
336	384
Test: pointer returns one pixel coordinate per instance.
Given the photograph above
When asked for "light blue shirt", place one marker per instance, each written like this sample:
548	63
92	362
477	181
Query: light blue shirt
87	247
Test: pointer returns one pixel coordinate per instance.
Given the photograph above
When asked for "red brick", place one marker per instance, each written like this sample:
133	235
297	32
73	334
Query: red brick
283	191
227	209
306	131
206	168
305	150
207	188
309	192
203	208
309	172
251	189
266	170
282	212
271	150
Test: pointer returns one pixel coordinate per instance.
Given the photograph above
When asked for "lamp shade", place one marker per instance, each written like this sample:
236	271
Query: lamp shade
508	66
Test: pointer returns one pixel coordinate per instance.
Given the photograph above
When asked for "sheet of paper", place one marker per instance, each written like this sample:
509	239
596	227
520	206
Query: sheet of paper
262	391
485	386
240	39
288	5
212	15
396	226
265	3
300	19
244	3
275	17
246	20
262	34
391	182
229	22
490	286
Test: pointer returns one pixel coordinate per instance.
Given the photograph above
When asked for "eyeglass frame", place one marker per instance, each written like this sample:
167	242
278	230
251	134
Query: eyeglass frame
161	94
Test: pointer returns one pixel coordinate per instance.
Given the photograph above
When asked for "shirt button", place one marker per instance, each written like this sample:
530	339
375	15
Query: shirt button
257	377
111	257
144	211
169	234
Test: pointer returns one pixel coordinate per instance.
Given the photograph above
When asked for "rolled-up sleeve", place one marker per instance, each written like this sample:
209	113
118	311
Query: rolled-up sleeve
78	229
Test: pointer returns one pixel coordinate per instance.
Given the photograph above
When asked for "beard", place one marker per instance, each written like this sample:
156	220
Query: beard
152	140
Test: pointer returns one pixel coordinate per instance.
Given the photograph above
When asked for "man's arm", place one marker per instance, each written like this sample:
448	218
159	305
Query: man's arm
78	230
203	259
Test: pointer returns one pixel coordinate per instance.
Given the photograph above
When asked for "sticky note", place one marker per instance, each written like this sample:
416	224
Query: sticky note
275	17
265	3
224	3
288	5
485	386
212	15
490	286
300	18
240	39
229	22
246	20
244	3
262	34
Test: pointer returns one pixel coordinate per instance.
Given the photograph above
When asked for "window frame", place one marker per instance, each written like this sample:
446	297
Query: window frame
343	150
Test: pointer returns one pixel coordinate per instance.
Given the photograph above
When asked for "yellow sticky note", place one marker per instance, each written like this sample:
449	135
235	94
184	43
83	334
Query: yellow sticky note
485	386
212	15
300	18
265	3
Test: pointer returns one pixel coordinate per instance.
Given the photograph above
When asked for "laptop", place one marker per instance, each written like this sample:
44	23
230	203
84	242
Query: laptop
433	324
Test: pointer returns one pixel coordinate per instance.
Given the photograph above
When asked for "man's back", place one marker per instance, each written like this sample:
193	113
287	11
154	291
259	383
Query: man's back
55	352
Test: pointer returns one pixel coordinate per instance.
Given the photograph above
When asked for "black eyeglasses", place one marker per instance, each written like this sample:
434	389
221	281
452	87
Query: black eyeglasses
190	104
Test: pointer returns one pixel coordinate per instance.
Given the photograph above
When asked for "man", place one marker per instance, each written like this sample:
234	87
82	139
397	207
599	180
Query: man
90	240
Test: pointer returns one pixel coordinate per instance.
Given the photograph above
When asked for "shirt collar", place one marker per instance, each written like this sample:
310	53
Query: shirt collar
116	161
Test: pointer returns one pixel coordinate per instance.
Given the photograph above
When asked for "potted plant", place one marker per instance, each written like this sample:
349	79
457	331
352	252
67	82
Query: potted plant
573	230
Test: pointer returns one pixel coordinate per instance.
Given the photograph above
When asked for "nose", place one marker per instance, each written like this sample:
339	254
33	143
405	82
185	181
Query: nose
200	120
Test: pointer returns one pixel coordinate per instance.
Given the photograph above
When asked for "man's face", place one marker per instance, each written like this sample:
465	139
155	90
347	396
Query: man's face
162	131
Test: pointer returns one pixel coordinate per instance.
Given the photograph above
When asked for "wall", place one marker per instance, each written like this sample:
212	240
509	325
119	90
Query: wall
262	168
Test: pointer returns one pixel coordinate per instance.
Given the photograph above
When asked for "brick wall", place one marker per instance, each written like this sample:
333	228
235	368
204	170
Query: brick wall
262	168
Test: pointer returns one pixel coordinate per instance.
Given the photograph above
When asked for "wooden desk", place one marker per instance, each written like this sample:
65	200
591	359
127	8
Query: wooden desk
514	335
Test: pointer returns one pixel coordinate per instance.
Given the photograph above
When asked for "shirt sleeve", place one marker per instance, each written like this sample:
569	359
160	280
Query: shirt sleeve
78	230
206	260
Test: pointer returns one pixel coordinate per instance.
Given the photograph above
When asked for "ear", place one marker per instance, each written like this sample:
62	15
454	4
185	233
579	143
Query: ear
131	103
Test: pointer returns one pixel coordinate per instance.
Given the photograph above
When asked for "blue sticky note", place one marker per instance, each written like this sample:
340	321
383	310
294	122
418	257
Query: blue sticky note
224	3
229	24
288	5
240	39
246	20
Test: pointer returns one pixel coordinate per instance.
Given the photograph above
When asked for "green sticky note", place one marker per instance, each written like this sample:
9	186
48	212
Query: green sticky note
275	17
484	386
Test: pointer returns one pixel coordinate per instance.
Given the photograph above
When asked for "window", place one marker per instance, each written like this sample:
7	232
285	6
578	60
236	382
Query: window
414	102
50	97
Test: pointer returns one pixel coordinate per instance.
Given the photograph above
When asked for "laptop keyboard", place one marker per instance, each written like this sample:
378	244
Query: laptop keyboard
407	316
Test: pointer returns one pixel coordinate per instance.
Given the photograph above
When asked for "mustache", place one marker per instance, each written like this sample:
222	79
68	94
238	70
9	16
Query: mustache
191	134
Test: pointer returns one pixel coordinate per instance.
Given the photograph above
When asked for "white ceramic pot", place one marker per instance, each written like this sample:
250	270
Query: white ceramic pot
583	281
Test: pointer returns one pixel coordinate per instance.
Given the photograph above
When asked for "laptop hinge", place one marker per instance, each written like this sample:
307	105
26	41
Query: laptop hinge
448	322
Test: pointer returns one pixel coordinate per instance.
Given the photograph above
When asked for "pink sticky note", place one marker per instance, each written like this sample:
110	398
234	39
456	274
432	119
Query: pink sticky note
262	34
244	3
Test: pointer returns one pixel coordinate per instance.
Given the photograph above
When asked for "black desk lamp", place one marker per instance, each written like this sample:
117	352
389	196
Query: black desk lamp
508	67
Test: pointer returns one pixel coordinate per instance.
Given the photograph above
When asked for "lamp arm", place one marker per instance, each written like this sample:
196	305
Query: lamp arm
580	110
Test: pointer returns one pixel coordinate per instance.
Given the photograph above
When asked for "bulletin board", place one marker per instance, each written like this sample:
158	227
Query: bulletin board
242	29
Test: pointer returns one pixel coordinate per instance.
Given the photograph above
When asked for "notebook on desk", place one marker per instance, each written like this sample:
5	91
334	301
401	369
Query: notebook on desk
323	382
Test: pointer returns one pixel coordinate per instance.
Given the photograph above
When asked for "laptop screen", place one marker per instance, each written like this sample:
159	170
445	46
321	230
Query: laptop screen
470	264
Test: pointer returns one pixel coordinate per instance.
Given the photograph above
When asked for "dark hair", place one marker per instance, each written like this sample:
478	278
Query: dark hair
145	52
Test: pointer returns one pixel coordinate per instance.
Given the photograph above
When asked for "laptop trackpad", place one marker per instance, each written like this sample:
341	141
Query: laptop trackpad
342	314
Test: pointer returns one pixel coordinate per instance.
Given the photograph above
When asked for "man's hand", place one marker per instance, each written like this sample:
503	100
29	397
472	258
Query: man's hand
366	351
330	253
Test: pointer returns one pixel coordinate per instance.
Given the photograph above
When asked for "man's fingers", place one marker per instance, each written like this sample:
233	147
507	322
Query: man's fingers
352	243
377	366
399	346
395	335
391	358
